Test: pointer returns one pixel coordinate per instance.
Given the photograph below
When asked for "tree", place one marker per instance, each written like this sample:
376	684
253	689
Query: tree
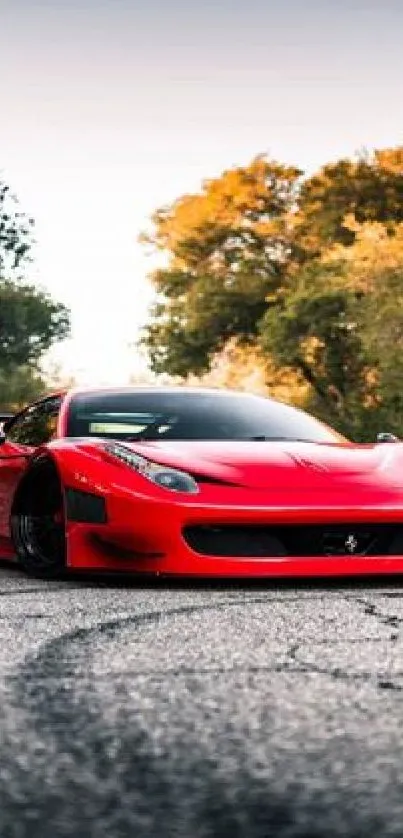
306	273
369	189
382	337
228	249
340	324
30	321
314	329
15	232
374	266
19	387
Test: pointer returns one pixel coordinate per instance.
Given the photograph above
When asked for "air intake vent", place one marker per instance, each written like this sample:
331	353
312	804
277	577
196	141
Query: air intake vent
320	540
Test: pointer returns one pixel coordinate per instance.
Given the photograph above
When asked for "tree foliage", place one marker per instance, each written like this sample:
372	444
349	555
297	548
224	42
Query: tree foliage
19	387
30	321
15	232
308	273
368	189
314	328
228	248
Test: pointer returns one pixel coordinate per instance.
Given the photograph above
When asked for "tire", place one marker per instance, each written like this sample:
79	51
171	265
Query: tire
38	529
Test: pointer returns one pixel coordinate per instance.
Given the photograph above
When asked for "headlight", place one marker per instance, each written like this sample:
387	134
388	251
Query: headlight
168	478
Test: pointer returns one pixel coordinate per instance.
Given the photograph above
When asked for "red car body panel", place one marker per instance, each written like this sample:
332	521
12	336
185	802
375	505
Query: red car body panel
13	463
240	483
297	484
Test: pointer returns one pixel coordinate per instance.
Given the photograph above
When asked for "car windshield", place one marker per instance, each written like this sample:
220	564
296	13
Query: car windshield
173	415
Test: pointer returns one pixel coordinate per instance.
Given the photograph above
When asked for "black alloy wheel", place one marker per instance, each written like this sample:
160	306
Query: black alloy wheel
40	542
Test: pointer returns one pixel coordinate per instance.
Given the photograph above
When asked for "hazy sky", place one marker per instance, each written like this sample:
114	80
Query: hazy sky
110	108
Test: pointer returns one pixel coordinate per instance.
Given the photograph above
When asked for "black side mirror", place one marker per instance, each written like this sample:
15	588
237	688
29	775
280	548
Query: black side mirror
386	437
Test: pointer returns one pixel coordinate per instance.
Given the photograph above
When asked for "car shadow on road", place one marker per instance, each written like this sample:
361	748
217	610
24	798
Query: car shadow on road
165	582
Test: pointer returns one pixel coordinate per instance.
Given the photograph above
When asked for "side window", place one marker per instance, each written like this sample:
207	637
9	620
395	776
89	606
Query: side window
35	425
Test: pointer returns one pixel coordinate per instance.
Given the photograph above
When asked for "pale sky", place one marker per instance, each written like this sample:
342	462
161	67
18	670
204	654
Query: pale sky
111	108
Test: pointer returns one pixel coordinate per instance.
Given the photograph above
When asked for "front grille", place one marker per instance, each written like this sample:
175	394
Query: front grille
259	541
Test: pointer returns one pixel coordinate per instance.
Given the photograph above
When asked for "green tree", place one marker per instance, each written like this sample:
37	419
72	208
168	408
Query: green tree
30	321
315	328
340	324
19	387
15	232
382	340
228	249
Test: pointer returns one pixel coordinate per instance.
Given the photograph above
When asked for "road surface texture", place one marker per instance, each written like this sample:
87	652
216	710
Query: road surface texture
196	711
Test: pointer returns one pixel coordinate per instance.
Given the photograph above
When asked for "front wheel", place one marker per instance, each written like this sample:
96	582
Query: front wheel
40	542
37	524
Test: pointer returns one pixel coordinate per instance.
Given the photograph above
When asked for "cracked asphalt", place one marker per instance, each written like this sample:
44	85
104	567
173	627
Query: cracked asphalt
167	710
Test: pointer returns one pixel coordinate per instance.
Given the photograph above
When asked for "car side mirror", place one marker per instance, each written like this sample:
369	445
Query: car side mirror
2	436
386	437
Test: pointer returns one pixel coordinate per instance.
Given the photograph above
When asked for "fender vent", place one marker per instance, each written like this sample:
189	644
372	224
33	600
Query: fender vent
85	508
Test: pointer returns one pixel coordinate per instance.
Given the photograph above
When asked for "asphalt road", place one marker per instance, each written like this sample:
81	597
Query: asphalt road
196	711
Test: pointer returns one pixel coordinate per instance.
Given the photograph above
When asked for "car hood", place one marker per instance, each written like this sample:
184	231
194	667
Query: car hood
283	465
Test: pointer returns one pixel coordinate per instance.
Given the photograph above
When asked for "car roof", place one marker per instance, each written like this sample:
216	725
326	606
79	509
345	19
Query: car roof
69	394
151	388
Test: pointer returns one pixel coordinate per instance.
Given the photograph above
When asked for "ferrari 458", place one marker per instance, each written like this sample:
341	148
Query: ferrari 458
194	482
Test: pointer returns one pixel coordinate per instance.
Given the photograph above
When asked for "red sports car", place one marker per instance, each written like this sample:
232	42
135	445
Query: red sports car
194	482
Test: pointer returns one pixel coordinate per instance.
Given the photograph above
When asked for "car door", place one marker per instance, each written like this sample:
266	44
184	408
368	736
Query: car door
24	433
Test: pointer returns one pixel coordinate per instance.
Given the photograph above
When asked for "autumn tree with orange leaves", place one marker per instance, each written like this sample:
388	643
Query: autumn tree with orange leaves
304	274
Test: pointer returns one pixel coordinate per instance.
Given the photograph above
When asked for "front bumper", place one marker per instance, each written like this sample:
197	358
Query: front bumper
145	535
